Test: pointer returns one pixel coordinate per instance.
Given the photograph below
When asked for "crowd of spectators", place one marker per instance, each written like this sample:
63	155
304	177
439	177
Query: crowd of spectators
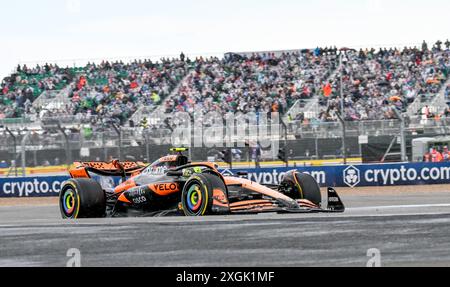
256	83
375	81
21	88
111	90
117	90
437	154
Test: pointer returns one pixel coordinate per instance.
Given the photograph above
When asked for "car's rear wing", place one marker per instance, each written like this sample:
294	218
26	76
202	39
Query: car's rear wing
114	168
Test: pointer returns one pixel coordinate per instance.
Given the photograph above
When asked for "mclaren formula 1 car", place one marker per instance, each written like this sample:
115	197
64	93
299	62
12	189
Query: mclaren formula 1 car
174	186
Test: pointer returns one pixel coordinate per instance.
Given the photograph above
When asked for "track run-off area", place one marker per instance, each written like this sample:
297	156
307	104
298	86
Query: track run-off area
409	225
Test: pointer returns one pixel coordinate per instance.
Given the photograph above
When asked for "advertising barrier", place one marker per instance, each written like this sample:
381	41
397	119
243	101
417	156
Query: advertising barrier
335	176
360	175
31	186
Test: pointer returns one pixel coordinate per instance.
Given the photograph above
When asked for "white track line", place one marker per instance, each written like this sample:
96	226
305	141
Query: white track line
398	206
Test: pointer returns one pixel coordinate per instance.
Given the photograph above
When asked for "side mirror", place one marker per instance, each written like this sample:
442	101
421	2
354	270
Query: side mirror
242	174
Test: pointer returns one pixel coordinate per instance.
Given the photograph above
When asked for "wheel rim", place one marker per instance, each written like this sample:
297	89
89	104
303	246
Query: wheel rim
68	202
194	198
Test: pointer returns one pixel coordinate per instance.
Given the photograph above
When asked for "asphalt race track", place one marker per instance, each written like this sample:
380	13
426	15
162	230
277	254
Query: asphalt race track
409	228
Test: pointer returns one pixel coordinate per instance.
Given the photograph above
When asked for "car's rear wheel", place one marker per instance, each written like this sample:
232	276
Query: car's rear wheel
197	194
82	198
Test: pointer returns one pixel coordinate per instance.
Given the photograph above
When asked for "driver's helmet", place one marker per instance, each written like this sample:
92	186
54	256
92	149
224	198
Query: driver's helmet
172	162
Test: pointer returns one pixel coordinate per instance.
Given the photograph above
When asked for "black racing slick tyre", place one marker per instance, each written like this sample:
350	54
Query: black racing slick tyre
299	185
197	194
82	198
310	189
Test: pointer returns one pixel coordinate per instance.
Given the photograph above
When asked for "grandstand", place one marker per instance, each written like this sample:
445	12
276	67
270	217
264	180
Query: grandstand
372	82
257	82
108	90
59	113
302	85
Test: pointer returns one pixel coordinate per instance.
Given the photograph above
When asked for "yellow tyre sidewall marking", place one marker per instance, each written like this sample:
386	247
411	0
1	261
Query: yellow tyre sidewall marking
75	214
299	187
206	194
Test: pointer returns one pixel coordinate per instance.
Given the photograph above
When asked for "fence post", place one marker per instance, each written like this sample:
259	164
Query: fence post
24	161
344	135
147	151
283	124
14	148
342	116
402	135
105	149
119	134
68	151
316	147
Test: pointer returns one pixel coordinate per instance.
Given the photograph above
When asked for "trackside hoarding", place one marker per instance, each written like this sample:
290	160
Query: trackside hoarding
361	175
336	176
31	186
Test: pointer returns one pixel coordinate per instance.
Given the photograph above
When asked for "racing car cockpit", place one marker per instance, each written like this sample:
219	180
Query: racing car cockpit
171	161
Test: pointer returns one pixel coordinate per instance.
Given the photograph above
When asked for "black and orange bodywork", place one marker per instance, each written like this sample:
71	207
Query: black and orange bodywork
156	189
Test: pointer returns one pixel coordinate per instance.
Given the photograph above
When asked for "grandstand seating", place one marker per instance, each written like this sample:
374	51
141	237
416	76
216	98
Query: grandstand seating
258	82
117	90
373	81
20	89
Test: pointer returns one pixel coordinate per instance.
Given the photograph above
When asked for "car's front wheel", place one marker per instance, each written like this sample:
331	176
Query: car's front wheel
197	194
299	185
